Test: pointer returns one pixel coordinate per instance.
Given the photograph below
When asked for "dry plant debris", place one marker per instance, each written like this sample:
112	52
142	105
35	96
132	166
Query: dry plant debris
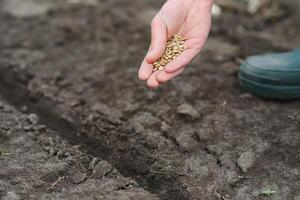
174	47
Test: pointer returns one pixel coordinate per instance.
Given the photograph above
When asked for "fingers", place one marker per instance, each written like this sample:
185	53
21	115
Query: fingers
182	60
165	76
158	77
158	39
152	82
145	70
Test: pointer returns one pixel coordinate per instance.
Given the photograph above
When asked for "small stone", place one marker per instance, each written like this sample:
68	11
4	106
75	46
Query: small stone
29	8
46	148
188	110
40	127
93	163
147	120
112	114
246	96
7	109
101	169
186	141
151	95
24	109
53	151
217	149
164	126
205	134
231	176
101	108
78	178
246	160
74	103
216	10
33	118
227	160
67	153
60	154
295	172
28	128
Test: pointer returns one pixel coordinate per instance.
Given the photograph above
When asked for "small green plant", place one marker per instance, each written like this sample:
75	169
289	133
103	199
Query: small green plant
268	192
3	153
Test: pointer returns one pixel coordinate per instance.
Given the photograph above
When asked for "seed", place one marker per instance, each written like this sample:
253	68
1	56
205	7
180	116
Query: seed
174	47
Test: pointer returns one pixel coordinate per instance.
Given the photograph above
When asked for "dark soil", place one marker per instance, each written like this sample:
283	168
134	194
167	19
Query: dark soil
36	163
197	137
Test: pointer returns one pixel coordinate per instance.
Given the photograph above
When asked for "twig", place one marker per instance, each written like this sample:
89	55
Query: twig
56	182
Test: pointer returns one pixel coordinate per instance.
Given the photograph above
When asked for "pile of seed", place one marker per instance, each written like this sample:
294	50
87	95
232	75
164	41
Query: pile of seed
174	47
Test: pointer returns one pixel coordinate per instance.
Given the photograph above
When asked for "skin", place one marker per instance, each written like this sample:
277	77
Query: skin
189	18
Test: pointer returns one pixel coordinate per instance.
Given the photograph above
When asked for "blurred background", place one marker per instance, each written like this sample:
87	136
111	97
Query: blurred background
83	125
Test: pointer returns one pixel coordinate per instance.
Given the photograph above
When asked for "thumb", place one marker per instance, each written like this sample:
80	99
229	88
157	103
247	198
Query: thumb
158	39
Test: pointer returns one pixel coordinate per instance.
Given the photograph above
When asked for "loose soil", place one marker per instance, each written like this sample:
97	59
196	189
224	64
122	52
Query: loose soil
198	136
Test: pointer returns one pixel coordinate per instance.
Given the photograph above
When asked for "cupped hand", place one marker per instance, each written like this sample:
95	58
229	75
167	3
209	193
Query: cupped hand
189	18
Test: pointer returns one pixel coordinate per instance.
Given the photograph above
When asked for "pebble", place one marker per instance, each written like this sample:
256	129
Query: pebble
33	118
60	154
147	119
28	128
93	163
227	160
188	110
186	141
24	109
101	169
112	114
205	134
26	8
246	160
246	96
53	151
78	178
40	128
151	95
7	109
164	126
231	176
216	148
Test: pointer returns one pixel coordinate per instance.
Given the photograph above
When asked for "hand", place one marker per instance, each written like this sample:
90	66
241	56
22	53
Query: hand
189	18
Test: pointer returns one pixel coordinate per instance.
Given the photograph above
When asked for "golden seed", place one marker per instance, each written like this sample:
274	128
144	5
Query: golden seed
174	47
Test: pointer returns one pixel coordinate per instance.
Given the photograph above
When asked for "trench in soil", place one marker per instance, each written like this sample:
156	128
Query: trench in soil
15	93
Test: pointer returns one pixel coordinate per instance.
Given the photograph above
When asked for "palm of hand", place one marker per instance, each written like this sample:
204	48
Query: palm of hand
189	18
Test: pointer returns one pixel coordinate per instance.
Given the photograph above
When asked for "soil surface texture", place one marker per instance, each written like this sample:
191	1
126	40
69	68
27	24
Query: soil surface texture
97	132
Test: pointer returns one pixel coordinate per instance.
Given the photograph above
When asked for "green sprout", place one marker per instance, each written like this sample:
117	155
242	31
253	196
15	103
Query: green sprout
3	153
268	192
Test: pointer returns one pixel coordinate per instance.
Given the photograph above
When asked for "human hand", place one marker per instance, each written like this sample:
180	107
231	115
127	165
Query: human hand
189	18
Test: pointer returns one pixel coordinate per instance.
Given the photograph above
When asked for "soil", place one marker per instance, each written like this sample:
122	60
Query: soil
36	163
197	137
